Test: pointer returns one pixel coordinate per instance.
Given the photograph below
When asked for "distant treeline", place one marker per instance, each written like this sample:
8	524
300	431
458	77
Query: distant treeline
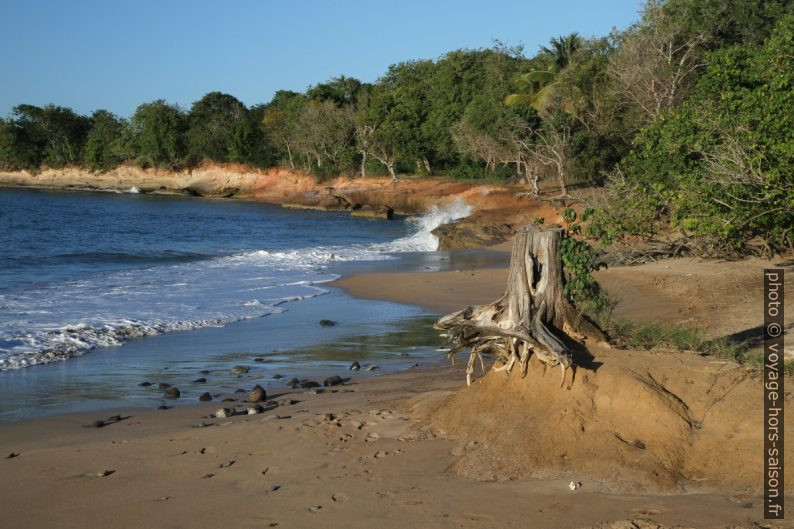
685	118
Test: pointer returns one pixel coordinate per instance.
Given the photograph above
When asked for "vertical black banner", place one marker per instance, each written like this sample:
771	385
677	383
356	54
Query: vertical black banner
773	394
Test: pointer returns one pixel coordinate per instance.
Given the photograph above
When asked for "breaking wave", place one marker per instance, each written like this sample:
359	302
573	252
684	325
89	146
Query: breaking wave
53	322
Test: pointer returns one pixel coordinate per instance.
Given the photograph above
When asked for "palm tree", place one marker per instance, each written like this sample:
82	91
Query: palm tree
562	49
536	87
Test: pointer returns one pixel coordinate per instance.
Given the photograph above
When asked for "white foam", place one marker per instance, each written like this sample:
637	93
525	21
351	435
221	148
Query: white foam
60	321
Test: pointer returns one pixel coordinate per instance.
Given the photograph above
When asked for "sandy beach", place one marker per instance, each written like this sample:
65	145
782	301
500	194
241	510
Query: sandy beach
420	449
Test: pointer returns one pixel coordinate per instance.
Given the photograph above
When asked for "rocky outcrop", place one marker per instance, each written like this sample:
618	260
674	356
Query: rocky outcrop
472	234
374	212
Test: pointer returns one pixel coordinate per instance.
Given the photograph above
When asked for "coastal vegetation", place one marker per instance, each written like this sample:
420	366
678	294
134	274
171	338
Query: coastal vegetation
681	123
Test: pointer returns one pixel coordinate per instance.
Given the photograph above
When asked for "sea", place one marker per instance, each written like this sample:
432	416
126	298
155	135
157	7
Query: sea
102	291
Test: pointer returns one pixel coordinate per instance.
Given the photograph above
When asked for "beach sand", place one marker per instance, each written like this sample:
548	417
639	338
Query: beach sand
420	449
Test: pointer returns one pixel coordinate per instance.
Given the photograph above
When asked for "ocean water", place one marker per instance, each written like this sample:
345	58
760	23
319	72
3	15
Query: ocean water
81	272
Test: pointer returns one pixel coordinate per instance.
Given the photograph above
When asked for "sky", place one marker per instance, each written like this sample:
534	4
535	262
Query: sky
117	54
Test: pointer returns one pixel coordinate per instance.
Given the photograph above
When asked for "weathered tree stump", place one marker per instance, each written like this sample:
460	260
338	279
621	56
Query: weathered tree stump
534	316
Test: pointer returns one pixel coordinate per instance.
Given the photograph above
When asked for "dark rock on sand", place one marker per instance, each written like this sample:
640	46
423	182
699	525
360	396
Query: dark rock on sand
327	323
253	410
205	397
333	381
171	393
277	377
259	360
12	455
163	407
145	384
257	394
163	385
293	383
204	372
355	366
201	380
310	384
239	390
98	424
239	370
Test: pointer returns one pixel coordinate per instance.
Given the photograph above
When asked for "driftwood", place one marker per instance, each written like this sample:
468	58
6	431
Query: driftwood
534	316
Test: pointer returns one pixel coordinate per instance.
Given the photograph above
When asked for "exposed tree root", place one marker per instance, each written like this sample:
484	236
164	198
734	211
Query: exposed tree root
533	316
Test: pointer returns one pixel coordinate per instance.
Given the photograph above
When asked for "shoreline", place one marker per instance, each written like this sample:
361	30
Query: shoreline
402	447
419	448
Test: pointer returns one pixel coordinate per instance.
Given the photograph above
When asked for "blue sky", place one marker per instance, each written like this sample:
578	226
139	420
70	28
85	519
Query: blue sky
113	54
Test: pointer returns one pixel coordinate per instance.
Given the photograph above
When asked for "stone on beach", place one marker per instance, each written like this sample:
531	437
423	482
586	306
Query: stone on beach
172	393
333	381
258	394
239	370
163	385
205	397
145	384
201	380
327	323
355	366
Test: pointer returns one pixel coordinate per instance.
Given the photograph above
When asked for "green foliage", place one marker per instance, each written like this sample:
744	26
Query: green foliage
159	130
721	167
215	121
579	260
681	338
107	144
53	136
342	91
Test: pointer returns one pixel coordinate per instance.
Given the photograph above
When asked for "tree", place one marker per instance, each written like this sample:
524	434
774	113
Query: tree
718	169
160	130
105	146
249	144
279	119
658	60
537	86
342	91
324	134
21	142
212	123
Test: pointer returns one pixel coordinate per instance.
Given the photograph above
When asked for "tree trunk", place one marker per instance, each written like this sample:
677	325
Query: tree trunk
390	167
427	164
534	316
289	154
363	164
